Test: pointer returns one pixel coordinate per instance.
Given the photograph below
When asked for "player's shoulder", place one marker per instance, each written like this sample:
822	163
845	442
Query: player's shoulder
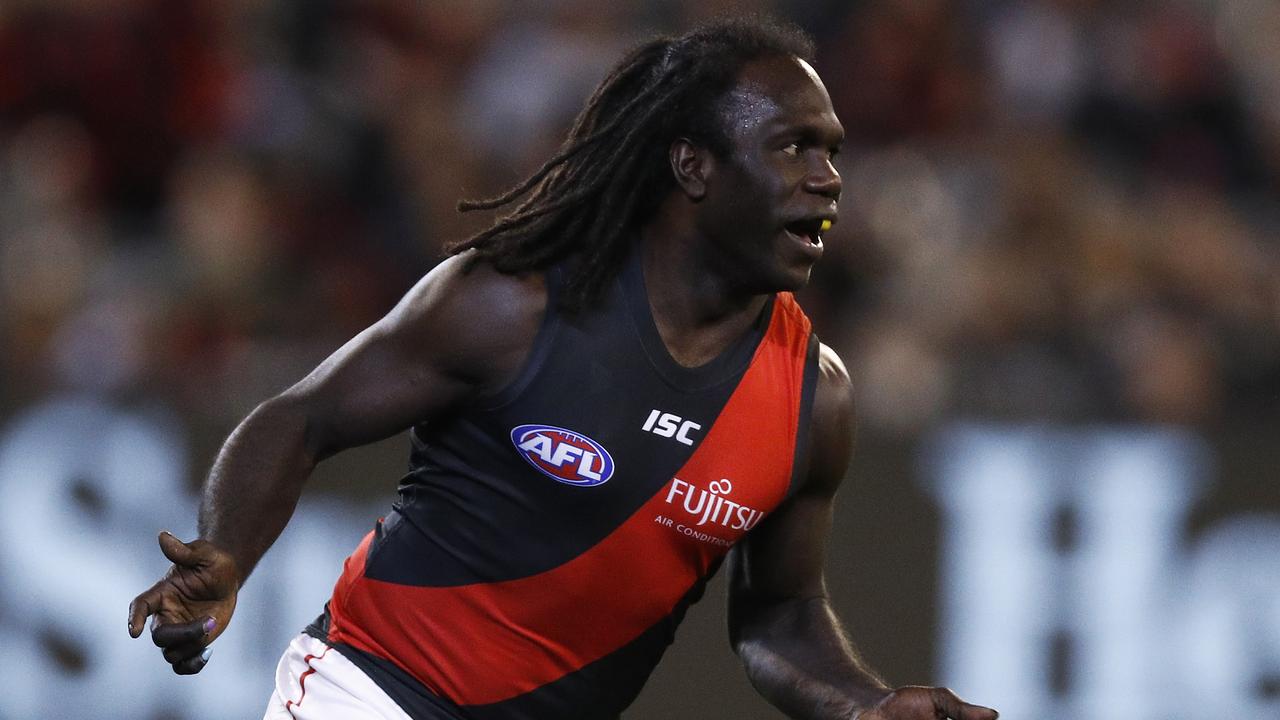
834	394
832	424
484	319
465	283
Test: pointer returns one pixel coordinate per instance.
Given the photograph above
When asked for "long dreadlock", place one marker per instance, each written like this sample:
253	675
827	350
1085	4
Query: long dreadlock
611	172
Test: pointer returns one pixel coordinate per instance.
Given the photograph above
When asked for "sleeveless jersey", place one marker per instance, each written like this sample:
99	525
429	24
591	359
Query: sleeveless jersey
548	539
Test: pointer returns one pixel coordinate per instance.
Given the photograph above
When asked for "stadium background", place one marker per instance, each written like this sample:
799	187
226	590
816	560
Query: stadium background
1055	284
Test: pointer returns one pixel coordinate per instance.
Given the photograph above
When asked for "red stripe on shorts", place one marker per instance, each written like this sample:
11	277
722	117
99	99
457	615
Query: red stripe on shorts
302	681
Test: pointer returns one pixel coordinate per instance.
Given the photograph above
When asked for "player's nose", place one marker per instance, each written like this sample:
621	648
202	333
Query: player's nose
824	179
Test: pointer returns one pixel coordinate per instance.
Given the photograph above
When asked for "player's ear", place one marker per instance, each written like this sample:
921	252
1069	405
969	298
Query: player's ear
691	164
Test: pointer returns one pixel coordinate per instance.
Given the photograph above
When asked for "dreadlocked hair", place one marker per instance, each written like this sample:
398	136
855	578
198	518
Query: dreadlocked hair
611	172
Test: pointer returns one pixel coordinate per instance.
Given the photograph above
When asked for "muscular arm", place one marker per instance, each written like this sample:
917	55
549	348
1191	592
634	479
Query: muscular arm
458	333
780	620
454	334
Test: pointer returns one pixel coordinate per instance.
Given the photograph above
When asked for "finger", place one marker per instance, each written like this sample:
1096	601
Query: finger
141	608
177	551
176	634
957	709
969	711
194	664
186	651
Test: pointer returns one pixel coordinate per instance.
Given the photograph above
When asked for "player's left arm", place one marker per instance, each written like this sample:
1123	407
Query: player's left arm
781	622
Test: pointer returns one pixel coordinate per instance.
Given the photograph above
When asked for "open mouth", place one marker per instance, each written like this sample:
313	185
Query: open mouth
811	229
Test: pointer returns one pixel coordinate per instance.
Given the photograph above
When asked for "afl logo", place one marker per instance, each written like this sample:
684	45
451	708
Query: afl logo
563	455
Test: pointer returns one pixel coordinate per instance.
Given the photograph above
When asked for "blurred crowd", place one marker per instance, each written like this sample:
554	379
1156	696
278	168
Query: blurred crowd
1055	210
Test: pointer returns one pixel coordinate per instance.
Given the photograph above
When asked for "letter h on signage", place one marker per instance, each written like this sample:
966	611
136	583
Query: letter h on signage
1152	633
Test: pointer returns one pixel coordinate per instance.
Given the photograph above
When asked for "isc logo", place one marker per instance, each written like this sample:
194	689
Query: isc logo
563	455
668	425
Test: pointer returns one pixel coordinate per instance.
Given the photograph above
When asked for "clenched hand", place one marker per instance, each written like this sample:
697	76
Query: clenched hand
191	605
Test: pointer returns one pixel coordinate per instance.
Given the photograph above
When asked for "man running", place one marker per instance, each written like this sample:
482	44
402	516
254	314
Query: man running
608	392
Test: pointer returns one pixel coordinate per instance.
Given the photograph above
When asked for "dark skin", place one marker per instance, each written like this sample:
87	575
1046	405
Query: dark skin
717	247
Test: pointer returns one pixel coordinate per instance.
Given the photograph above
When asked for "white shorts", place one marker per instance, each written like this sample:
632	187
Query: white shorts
315	682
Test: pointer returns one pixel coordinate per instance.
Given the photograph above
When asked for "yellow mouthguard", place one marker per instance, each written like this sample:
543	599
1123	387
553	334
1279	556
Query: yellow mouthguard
826	225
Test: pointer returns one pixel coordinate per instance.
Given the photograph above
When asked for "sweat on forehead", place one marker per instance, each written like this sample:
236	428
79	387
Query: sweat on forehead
761	86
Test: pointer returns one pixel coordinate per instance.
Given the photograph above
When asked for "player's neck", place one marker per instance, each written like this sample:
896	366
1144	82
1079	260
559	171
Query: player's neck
697	311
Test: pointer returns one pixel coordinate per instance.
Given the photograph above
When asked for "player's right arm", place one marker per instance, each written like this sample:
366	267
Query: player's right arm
458	333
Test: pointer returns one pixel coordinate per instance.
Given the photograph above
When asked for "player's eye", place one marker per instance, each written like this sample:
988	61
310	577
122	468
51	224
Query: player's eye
791	149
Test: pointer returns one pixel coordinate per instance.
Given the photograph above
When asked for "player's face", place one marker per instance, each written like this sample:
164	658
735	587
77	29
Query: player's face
766	202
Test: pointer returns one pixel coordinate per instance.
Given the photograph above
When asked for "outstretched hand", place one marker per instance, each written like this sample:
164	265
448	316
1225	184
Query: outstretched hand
191	605
925	703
